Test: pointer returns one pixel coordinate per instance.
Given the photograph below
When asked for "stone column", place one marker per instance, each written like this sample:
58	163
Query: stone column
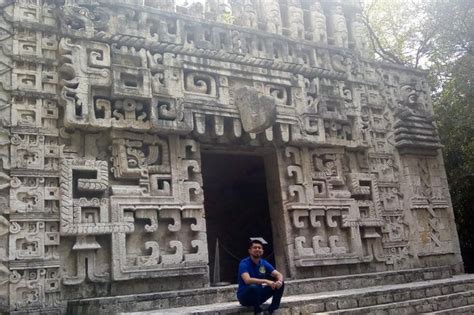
34	152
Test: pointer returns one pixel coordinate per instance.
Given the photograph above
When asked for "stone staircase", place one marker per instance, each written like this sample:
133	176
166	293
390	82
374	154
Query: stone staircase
429	290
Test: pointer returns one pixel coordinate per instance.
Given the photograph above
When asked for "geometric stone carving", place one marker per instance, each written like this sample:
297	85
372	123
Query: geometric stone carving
34	240
327	235
164	255
82	215
35	288
104	111
80	73
129	82
28	151
200	84
33	194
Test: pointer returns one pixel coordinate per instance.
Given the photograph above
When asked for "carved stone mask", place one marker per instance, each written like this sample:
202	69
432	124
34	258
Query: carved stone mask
408	95
257	112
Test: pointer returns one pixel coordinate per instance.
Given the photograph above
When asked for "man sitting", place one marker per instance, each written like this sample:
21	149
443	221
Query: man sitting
258	280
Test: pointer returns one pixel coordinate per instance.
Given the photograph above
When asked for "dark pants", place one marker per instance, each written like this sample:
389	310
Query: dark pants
255	295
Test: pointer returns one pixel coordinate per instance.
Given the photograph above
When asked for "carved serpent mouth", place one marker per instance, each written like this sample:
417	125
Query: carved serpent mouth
412	98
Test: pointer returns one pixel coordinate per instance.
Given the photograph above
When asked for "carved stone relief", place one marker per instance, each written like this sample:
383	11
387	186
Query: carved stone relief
295	17
255	118
429	207
318	23
339	26
6	64
103	111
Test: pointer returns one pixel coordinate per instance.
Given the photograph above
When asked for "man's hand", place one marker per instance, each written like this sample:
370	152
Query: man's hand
278	284
272	285
279	279
275	284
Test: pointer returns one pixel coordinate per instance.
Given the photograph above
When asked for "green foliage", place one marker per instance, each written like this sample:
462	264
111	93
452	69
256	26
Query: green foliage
429	33
398	27
454	108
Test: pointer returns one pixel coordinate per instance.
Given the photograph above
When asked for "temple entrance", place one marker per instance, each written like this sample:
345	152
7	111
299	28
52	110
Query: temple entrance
237	207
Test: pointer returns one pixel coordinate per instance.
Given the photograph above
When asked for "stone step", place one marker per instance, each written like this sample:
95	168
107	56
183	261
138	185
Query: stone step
442	304
204	296
467	309
443	293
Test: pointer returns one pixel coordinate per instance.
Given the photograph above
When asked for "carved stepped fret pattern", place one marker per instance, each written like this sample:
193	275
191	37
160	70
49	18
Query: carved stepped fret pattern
104	106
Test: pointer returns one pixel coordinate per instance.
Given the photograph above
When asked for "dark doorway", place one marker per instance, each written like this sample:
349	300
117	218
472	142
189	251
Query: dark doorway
236	205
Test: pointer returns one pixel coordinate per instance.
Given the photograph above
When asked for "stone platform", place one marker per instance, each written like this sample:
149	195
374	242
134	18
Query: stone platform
443	296
402	292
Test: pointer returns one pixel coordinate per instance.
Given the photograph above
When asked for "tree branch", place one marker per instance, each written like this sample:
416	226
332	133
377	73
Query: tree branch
378	47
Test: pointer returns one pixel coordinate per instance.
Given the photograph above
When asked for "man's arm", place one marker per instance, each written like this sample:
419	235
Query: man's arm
279	279
277	275
273	284
249	280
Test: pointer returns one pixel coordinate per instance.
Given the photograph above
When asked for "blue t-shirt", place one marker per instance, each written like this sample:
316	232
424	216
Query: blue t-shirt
262	270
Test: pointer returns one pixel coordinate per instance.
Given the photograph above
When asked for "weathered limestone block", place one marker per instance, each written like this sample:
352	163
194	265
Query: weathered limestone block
257	112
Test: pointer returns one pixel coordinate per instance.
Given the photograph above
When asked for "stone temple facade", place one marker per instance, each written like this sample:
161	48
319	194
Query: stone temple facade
107	105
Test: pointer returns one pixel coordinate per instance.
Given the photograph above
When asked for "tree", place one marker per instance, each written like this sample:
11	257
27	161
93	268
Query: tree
438	35
455	118
428	33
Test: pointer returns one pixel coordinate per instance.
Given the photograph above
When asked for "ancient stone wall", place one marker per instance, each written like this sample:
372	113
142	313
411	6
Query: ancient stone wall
103	108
